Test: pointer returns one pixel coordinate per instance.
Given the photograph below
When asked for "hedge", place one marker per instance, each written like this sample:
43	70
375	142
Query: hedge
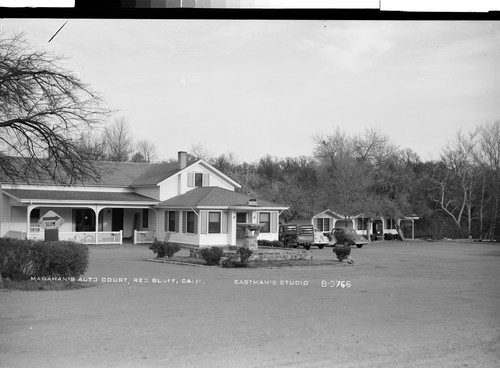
21	259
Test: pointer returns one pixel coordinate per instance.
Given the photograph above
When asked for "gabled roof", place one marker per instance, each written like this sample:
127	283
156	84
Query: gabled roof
116	174
215	197
125	174
331	213
28	195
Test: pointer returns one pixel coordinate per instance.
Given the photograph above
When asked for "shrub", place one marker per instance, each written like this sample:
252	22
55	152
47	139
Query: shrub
230	262
240	260
244	253
22	259
269	243
342	252
164	249
59	258
15	259
212	255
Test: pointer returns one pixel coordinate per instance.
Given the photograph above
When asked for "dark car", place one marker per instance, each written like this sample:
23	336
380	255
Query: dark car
347	236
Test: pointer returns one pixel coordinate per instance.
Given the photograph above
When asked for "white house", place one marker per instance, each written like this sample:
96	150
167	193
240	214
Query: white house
325	221
192	204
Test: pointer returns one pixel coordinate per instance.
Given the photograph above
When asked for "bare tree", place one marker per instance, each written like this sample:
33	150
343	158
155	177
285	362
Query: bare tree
455	188
146	151
200	152
488	156
92	146
44	108
119	142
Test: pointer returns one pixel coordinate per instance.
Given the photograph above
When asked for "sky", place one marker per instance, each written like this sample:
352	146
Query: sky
258	87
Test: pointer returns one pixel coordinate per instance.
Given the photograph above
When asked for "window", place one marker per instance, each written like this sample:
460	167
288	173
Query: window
241	217
362	223
171	221
323	224
265	218
190	222
391	224
145	218
198	179
214	222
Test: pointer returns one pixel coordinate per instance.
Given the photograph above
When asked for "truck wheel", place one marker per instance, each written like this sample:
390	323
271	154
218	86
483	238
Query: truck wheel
359	245
289	242
320	246
307	246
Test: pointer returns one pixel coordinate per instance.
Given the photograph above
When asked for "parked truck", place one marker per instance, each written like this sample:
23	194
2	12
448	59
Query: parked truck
292	235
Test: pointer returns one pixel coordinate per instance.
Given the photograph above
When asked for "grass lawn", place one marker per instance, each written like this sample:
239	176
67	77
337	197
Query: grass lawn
44	285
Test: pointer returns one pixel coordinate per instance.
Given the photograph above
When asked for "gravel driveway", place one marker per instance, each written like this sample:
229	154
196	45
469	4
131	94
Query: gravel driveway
409	304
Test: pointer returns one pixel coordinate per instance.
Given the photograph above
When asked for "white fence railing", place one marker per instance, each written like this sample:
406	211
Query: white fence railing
34	229
144	237
86	237
16	234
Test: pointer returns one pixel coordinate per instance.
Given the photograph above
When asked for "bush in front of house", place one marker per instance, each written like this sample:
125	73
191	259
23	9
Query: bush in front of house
244	253
15	258
164	249
21	259
342	252
235	261
269	243
59	259
212	255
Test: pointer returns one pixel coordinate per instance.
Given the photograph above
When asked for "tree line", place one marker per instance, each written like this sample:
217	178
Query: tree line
454	196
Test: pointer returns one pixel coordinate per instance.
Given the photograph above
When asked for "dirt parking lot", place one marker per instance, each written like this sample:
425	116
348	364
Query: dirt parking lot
411	304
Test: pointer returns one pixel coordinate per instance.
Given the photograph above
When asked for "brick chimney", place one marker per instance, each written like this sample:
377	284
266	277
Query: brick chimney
182	159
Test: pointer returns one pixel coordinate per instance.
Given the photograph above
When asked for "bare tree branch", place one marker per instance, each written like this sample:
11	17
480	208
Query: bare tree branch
44	109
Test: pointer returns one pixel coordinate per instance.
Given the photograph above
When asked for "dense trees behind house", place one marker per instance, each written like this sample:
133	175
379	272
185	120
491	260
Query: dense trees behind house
455	196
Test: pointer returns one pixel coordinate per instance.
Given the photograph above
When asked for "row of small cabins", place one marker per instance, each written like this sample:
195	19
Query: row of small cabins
194	204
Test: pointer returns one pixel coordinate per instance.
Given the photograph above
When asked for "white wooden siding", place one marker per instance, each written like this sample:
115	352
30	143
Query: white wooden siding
168	190
184	181
208	240
3	222
152	192
183	238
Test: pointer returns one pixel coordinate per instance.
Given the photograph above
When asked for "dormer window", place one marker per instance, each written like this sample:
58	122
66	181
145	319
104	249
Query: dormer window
198	179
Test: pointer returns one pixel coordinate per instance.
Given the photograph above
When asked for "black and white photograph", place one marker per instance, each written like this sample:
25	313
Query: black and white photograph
216	190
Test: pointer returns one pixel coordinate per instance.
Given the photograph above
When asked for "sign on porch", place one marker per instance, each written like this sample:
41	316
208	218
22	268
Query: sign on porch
50	220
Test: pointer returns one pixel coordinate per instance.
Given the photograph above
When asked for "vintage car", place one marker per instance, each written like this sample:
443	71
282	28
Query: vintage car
347	236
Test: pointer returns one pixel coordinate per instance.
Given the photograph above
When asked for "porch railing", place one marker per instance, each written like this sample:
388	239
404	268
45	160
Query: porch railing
144	237
85	237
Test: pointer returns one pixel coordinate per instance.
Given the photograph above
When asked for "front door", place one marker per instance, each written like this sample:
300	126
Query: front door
116	219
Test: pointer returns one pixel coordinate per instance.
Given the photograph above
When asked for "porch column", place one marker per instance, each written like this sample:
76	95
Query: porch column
231	217
97	210
157	227
369	226
28	219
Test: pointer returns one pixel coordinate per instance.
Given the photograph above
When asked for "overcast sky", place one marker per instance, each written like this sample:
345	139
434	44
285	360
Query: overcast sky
255	87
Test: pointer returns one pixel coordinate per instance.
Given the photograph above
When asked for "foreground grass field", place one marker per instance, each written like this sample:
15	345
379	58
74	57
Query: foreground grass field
412	304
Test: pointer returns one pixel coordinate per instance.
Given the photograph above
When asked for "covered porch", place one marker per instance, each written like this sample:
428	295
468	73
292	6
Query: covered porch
86	217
